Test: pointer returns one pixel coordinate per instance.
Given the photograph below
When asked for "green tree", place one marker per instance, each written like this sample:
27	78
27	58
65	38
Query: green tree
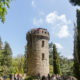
7	59
0	43
18	64
56	63
75	2
66	66
77	48
4	4
25	60
51	53
1	51
77	42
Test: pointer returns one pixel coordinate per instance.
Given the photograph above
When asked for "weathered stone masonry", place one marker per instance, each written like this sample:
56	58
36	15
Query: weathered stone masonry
38	52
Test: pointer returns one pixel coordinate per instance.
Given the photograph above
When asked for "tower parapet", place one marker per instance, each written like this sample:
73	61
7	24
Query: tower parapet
38	32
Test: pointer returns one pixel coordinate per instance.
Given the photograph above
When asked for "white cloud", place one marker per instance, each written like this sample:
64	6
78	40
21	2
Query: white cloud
37	22
63	33
33	3
60	23
59	46
53	17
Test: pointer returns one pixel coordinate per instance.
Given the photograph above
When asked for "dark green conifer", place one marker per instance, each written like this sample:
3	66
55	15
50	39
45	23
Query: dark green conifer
25	60
0	43
6	59
77	48
75	2
56	64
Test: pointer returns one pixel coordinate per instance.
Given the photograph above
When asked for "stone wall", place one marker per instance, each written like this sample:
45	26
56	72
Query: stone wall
38	53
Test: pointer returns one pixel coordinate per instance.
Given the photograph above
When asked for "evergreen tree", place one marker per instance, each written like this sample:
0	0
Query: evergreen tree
77	48
56	64
7	59
1	51
75	2
0	43
25	60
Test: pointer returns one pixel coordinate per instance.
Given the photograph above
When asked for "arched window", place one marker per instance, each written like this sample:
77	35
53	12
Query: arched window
43	56
42	43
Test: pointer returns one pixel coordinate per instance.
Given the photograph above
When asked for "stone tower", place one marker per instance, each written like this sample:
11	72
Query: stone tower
38	52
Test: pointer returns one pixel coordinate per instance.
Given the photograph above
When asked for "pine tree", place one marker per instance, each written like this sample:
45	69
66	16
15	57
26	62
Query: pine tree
77	48
56	64
7	59
0	43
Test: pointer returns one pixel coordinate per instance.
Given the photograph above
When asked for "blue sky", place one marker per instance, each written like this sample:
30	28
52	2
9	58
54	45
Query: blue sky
57	16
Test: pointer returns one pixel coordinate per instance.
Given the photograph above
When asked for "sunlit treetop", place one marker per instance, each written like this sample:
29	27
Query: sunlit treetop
75	2
4	4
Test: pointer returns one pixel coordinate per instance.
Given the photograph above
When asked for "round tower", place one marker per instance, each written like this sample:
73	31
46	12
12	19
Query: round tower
38	52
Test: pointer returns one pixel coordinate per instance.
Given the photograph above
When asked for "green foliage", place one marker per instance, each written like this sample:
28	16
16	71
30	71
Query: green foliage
5	60
7	55
51	53
78	35
77	48
75	2
51	69
25	60
66	66
1	51
0	43
18	65
76	72
56	63
4	4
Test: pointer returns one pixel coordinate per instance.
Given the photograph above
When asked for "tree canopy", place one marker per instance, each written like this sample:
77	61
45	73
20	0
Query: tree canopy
56	63
77	48
75	2
4	4
0	43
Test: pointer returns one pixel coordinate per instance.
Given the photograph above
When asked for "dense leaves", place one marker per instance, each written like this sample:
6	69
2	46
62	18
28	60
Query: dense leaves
0	43
77	48
75	2
66	65
4	4
18	65
25	60
7	55
56	63
5	59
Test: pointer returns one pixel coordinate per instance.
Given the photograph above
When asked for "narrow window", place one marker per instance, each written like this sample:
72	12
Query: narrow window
42	43
43	56
45	32
42	31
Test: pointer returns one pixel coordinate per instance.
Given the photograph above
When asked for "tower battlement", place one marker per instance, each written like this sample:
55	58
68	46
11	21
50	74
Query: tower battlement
38	32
